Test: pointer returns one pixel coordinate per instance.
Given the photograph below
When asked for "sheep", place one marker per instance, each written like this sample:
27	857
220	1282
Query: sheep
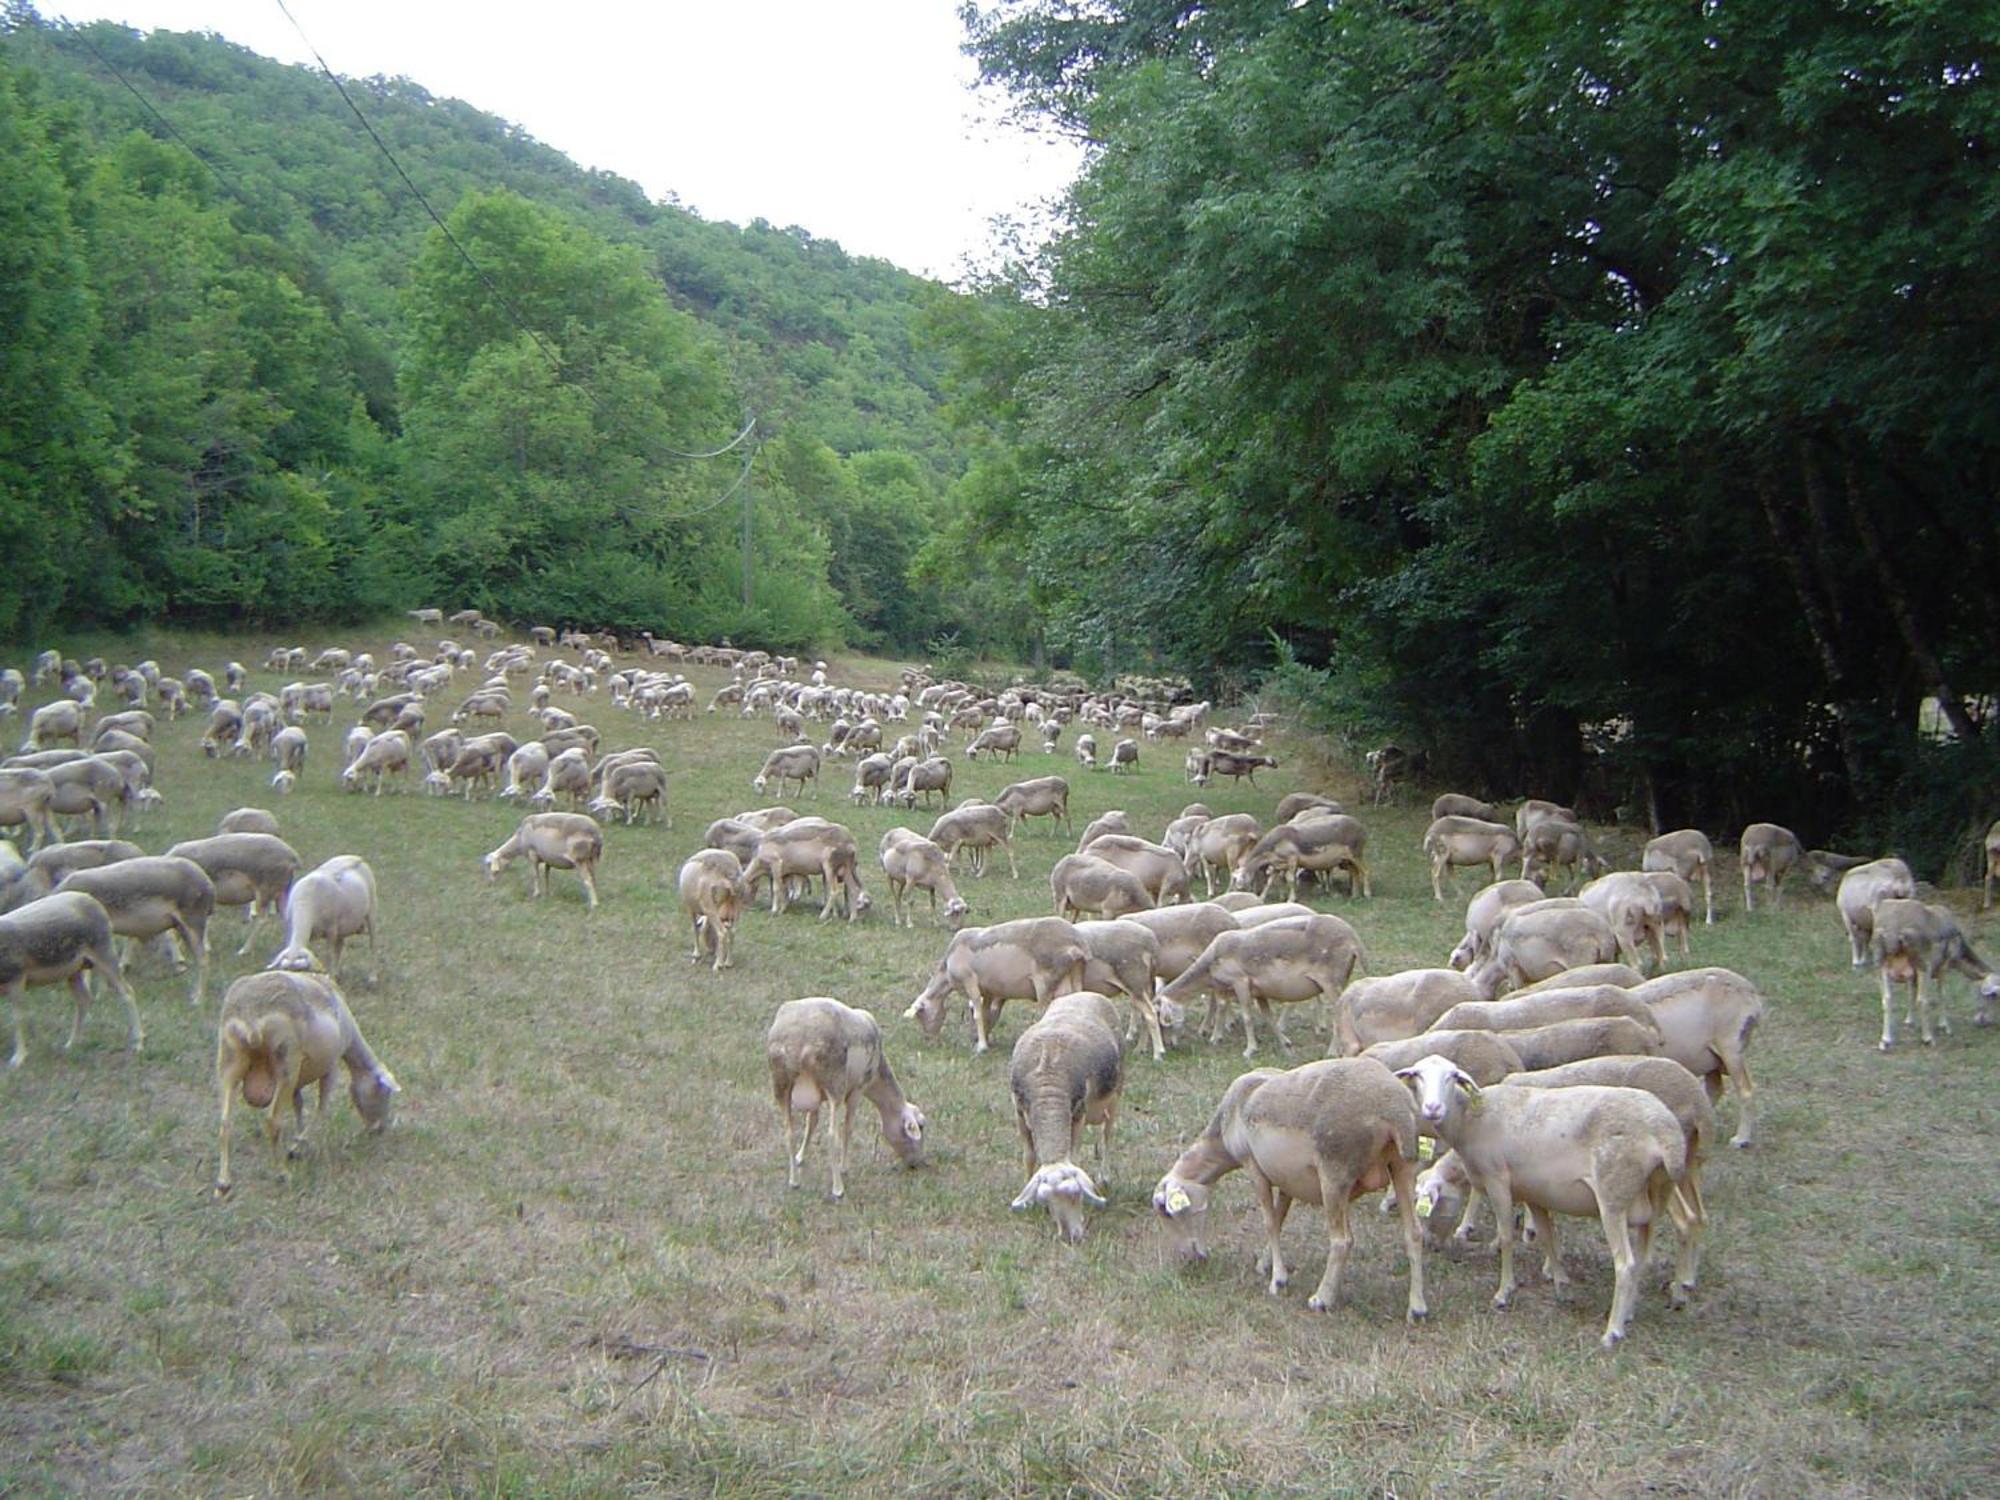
1286	961
1534	809
250	870
55	939
1113	821
1183	933
1615	1152
805	847
871	777
558	840
1684	852
1485	1056
798	763
288	749
1125	755
1915	943
910	860
1543	1007
526	766
26	798
1542	939
88	786
1159	869
1084	883
825	1054
1322	1133
335	902
247	820
1587	1036
1293	804
1860	889
1237	765
1682	1093
1824	867
976	827
478	763
1553	844
53	722
1051	735
1221	844
1042	796
1030	958
1066	1074
1320	845
1397	1005
1250	912
714	896
1768	854
1992	867
1706	1020
1454	840
1636	911
568	776
386	754
1125	956
1623	975
1086	751
1000	741
932	774
280	1033
629	788
1483	913
150	895
1458	805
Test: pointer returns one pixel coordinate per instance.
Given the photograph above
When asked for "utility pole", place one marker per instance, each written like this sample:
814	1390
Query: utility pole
749	581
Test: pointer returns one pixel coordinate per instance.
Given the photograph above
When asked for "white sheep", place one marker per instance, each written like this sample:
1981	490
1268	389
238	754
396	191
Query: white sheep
334	902
553	840
825	1055
1066	1073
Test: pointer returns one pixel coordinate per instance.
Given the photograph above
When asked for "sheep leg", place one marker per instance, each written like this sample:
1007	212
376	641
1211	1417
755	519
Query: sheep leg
725	936
1249	1025
1625	1263
1500	1194
798	1159
977	1002
1339	1242
1545	1235
249	926
1921	987
842	1125
1142	1005
1276	1206
197	943
1888	1010
1437	877
1468	1218
1708	899
832	881
1404	1179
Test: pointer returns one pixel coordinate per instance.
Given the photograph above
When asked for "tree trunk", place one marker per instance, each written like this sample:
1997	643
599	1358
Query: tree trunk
1926	661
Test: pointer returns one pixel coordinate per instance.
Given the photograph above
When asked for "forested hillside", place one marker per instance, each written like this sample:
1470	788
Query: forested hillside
259	382
1601	399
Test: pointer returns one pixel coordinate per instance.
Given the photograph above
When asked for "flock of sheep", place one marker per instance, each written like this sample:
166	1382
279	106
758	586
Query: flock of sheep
1556	1075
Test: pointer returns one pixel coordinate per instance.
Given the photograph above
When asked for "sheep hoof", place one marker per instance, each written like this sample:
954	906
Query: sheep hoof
1611	1341
1319	1304
1418	1313
221	1190
1677	1296
1502	1300
1885	1044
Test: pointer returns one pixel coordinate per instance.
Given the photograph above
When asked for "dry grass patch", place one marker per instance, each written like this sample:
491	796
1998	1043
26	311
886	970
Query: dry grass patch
573	1267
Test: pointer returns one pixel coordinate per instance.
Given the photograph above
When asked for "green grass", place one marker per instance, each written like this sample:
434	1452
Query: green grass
574	1268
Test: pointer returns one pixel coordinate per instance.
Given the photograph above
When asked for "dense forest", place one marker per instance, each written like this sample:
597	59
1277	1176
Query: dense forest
1595	399
246	377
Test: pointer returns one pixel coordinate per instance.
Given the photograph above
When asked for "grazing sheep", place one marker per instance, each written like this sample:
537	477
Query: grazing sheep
1000	741
976	827
1157	867
1458	805
1635	910
281	1033
1454	840
1124	956
798	763
1289	961
1221	844
335	902
1552	844
1485	1056
527	765
910	860
1397	1005
1992	867
1066	1074
1183	933
808	847
1040	797
1623	975
57	939
1236	764
1543	1007
631	788
824	1054
250	870
1084	883
1861	888
871	779
386	754
1706	1019
932	774
1323	1133
558	840
1685	852
26	801
1320	845
248	820
61	721
714	896
1542	939
1617	1153
1534	809
1113	821
1914	943
1030	958
1768	854
1125	755
151	895
1293	805
1086	751
1483	913
1562	1042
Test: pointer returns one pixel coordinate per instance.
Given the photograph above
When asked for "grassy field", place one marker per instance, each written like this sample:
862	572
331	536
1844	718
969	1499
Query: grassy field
574	1268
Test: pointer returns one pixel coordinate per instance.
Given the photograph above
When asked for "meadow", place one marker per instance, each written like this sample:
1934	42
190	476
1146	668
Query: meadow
574	1268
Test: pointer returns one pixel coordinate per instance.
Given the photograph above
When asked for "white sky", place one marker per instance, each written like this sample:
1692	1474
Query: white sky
854	119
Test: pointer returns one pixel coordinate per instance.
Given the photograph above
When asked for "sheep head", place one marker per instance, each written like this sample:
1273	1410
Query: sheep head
1064	1188
1183	1209
1438	1085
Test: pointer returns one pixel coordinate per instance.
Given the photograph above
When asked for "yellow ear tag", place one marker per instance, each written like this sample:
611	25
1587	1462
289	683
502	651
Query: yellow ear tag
1426	1148
1424	1206
1177	1201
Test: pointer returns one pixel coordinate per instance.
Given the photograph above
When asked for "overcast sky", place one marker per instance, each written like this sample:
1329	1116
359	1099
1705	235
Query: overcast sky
852	118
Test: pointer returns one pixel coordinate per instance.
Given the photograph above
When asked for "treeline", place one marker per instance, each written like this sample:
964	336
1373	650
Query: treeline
252	380
1599	398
